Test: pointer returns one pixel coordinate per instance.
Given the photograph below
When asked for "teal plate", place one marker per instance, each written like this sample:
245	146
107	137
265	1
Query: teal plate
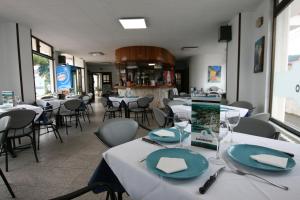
241	153
196	163
175	139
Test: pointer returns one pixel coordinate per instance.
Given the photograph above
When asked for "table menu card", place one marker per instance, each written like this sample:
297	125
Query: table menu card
205	115
8	98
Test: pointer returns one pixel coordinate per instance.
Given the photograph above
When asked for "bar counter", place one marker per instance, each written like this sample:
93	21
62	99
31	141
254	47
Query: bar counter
159	92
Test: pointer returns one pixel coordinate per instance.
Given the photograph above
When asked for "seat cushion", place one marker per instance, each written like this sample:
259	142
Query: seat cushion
112	109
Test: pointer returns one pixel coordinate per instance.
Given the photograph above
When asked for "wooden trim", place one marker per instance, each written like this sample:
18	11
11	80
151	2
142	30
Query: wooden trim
19	61
278	8
238	59
32	66
43	55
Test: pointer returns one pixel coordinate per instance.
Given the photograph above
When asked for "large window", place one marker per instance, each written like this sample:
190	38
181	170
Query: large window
285	107
43	68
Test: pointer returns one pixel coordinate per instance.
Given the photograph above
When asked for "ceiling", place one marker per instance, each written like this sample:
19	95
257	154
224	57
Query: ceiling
82	26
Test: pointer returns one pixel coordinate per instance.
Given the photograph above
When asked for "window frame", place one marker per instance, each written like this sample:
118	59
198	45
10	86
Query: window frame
278	7
37	52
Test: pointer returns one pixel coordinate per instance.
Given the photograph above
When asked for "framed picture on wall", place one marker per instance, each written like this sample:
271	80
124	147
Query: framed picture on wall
259	55
214	74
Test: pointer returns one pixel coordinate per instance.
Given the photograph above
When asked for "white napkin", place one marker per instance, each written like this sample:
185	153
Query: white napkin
171	165
271	160
164	133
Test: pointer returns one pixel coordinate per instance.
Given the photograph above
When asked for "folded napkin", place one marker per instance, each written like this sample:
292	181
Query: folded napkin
271	160
164	133
171	165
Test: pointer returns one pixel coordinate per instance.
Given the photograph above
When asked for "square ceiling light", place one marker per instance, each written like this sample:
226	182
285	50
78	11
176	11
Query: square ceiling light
133	23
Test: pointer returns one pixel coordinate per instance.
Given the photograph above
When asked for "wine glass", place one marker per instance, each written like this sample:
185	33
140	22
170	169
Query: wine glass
232	118
181	120
219	134
17	99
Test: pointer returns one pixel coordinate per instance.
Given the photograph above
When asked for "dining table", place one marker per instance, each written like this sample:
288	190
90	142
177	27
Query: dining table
124	102
127	161
186	109
37	109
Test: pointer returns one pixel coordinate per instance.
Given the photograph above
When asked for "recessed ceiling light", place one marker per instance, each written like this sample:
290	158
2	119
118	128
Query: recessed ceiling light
133	23
96	53
151	64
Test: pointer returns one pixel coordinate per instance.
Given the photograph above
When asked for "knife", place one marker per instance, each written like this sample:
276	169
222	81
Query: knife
210	181
153	142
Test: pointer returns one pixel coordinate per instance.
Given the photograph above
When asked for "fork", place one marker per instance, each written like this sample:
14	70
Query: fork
243	173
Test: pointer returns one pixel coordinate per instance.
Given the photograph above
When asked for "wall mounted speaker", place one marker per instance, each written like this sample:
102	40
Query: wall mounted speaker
225	34
61	59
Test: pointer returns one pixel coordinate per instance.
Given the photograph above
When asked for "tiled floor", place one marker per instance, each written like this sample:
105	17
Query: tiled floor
62	168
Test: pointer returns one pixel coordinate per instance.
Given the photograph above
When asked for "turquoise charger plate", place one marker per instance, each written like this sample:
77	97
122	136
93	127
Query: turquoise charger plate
241	153
175	139
196	163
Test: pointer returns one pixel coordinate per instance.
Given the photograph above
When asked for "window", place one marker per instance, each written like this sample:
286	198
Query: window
43	68
285	104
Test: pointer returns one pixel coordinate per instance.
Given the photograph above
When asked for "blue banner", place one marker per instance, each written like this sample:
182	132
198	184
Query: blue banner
63	77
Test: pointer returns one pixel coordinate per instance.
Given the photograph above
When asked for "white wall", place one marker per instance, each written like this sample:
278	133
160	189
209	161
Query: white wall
211	52
199	70
253	87
26	63
9	65
9	62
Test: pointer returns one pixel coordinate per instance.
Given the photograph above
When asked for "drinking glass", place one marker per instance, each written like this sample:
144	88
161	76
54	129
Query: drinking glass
218	134
232	118
17	99
181	120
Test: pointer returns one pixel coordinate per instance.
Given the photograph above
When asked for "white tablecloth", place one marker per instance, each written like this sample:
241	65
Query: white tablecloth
37	109
54	102
125	99
143	185
188	110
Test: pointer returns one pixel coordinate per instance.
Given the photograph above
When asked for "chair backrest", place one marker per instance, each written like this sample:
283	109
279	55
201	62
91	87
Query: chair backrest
256	127
151	97
166	101
20	118
4	123
243	104
262	116
176	102
72	104
160	117
213	89
143	102
47	97
114	132
103	100
86	99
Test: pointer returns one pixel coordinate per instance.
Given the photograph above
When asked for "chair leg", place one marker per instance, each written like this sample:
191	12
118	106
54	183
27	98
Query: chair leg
79	122
57	132
6	157
146	117
39	134
66	124
34	146
104	115
7	184
107	196
120	197
88	116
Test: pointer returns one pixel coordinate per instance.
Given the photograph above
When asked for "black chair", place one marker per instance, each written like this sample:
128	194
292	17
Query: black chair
46	121
21	125
142	105
256	127
70	109
112	133
244	104
88	188
149	109
161	117
4	122
111	108
84	108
